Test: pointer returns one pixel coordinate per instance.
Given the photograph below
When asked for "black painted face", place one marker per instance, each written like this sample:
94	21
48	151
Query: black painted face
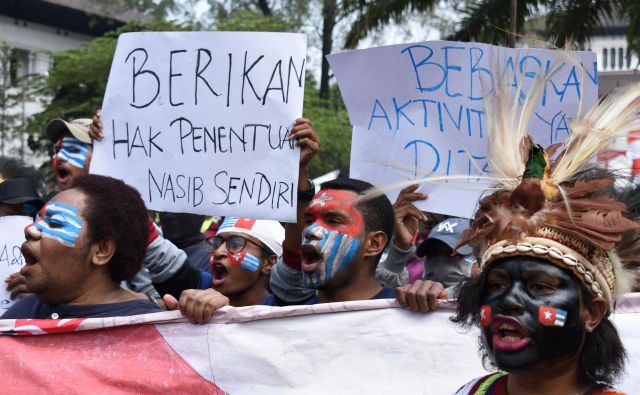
519	335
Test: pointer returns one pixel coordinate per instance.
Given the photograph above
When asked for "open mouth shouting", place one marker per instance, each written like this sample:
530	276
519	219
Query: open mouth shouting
63	175
508	334
29	258
312	257
220	274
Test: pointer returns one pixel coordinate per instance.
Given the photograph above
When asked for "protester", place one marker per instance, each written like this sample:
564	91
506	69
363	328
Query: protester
242	255
392	269
80	248
347	227
554	241
19	185
73	149
441	263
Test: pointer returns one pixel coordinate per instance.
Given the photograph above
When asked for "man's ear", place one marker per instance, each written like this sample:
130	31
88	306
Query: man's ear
375	243
268	264
594	313
103	251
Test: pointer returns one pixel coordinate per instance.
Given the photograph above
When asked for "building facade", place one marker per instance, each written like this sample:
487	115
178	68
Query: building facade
35	28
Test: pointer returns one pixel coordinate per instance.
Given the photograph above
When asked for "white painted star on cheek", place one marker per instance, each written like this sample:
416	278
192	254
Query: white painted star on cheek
547	315
321	200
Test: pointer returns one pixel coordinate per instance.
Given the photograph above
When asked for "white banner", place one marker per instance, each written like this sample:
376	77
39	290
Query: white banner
198	122
11	259
417	110
347	347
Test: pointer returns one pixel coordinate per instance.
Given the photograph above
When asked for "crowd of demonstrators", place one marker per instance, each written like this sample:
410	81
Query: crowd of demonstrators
541	291
248	261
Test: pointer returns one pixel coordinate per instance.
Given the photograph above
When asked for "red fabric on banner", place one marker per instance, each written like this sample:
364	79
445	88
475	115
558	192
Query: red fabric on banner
131	359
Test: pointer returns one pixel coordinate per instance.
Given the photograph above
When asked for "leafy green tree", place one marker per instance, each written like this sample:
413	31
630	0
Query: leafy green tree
329	115
78	79
331	121
372	15
489	20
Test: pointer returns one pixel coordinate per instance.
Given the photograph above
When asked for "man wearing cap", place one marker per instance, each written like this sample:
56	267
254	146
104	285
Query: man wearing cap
441	264
19	185
243	252
72	150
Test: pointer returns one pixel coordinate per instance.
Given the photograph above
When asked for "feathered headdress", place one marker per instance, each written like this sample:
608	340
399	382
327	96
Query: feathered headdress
559	211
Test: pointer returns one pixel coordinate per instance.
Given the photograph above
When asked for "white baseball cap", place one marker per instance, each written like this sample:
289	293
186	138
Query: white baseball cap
269	232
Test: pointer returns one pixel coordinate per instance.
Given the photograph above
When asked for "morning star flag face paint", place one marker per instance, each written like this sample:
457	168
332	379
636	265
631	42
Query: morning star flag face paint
485	316
74	151
245	260
61	223
336	248
550	316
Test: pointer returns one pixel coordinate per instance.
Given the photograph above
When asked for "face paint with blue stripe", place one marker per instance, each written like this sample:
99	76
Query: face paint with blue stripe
61	223
337	248
245	260
331	239
74	151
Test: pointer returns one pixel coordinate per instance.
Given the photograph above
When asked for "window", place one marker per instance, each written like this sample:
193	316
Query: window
612	62
620	58
19	65
628	58
604	59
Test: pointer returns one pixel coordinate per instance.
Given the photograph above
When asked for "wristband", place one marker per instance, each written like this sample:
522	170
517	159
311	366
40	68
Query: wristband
307	196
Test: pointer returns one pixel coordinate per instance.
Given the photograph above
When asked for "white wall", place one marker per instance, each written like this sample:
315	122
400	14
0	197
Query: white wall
599	43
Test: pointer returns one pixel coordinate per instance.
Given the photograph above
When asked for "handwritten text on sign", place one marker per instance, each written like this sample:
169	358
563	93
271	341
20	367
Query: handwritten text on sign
417	110
198	121
11	259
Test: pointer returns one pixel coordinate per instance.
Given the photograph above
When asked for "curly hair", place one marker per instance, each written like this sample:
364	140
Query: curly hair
114	210
602	357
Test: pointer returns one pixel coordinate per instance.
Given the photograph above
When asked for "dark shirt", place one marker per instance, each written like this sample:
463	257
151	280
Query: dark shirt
385	293
31	307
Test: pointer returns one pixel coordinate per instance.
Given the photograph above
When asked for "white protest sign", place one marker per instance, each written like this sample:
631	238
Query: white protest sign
417	110
11	259
198	122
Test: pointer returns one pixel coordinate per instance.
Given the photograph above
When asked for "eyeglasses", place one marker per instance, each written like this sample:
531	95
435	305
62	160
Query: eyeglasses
234	244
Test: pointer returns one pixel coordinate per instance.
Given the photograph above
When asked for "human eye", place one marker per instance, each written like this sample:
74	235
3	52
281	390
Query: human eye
236	243
308	220
496	283
495	286
54	223
540	288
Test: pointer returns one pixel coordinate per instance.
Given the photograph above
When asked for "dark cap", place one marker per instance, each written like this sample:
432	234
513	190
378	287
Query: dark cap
18	191
448	232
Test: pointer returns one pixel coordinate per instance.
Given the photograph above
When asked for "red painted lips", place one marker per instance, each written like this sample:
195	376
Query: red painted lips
508	334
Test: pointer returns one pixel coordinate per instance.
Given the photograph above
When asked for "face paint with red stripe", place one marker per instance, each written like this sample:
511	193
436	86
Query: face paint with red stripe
332	236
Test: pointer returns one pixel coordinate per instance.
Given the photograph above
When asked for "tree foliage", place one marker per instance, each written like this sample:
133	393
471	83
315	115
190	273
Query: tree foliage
331	121
372	15
488	20
78	79
329	116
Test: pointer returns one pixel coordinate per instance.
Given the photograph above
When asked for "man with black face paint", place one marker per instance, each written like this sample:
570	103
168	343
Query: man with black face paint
553	241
